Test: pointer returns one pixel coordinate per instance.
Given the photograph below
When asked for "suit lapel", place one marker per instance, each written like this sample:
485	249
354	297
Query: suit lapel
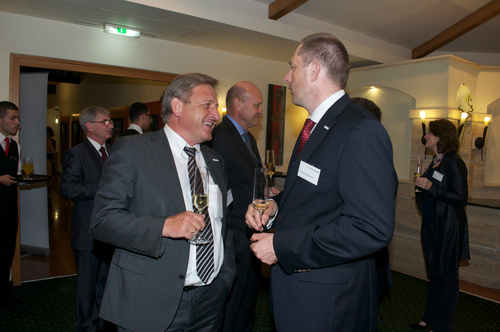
240	144
325	125
93	153
161	154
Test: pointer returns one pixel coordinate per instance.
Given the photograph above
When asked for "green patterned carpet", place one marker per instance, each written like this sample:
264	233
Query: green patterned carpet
51	307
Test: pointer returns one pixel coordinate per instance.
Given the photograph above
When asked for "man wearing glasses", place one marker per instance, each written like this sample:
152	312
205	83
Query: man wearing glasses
82	168
140	119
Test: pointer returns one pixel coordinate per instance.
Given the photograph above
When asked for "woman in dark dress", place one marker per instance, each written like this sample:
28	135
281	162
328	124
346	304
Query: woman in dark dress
444	233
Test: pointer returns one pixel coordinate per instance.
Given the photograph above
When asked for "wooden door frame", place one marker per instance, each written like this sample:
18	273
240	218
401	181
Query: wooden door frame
18	60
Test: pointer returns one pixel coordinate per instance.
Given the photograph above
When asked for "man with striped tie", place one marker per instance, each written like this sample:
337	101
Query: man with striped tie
158	281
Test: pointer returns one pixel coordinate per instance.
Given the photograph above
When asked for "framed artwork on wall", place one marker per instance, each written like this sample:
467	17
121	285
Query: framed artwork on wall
275	131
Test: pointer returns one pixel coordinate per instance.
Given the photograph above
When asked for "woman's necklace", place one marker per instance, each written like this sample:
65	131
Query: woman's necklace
437	160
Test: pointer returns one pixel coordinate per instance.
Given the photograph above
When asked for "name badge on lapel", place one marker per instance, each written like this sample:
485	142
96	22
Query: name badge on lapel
438	176
309	172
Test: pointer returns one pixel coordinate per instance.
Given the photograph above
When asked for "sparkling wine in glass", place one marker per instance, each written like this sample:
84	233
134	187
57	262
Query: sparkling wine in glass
200	201
418	173
271	166
27	171
260	190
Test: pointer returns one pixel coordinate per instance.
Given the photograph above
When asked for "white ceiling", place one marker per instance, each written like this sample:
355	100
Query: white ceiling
241	26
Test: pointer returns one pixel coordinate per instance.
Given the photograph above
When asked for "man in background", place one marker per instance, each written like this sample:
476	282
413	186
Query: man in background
82	168
140	119
237	146
158	280
337	207
382	265
9	167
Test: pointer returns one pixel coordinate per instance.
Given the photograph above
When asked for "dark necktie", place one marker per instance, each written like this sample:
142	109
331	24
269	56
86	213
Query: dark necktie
7	144
248	143
204	252
304	135
104	156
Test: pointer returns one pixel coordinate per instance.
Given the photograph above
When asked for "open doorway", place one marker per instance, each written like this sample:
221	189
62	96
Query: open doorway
111	73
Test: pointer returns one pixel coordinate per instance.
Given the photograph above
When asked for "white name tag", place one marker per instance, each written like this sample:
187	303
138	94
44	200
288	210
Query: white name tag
438	176
229	197
309	173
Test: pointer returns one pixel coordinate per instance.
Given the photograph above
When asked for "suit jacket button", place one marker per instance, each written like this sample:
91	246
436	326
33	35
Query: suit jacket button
278	218
181	277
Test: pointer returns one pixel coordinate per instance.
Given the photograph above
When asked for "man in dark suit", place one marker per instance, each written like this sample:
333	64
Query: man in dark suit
158	281
140	119
9	167
82	168
337	207
237	146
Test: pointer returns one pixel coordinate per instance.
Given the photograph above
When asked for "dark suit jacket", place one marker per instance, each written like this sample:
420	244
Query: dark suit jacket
82	169
240	167
129	132
324	280
139	189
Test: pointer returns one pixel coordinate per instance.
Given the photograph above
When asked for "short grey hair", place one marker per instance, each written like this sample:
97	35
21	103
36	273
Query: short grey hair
90	114
182	87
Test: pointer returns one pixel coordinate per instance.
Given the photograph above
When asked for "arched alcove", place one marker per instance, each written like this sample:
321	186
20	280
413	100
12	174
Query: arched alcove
492	158
395	106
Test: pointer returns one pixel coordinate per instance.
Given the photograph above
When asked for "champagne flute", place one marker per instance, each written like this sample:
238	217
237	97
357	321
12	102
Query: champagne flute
270	165
260	190
418	172
200	200
27	171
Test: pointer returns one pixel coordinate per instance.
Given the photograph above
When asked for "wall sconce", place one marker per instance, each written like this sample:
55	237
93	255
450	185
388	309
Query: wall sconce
481	141
422	117
463	118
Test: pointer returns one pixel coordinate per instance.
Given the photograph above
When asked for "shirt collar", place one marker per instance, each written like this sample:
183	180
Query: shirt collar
325	105
237	125
135	127
177	143
96	145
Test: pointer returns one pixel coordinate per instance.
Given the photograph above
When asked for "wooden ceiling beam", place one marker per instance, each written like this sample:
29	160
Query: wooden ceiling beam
480	16
279	8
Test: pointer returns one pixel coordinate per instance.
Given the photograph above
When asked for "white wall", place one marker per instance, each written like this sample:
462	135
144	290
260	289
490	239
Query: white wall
32	36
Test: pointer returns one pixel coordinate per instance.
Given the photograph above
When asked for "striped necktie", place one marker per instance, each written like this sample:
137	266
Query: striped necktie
204	252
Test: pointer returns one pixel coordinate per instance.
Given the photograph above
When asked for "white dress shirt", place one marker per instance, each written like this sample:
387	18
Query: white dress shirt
215	209
4	145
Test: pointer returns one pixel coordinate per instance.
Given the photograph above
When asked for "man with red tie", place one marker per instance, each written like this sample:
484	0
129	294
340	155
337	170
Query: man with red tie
337	207
82	168
9	167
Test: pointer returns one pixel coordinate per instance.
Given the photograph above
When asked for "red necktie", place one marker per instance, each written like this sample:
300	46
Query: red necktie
304	135
7	144
104	156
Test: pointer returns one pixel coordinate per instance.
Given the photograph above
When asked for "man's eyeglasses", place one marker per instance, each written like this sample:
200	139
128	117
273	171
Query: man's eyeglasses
148	115
106	122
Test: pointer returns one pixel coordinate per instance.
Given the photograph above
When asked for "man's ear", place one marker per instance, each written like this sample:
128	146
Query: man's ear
89	126
314	70
177	106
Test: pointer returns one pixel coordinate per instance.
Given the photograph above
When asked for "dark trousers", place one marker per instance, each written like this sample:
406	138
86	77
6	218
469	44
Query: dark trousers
442	297
201	309
8	236
92	272
240	306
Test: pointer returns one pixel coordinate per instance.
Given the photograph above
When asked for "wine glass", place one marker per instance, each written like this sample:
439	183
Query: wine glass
418	172
200	201
27	171
270	165
260	190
